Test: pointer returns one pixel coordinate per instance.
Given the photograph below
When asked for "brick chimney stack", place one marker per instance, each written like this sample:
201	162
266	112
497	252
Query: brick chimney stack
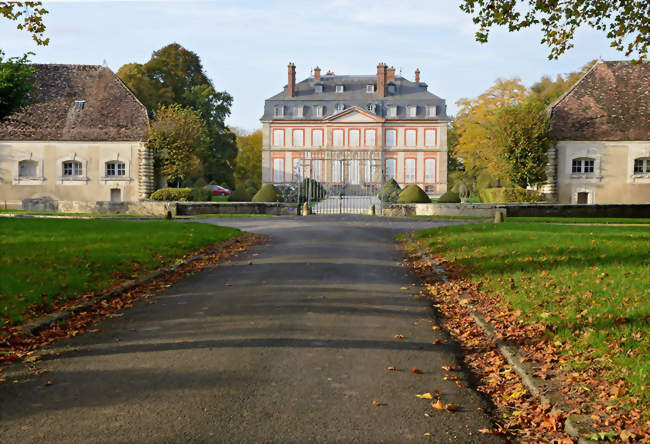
291	85
390	74
417	75
317	74
381	79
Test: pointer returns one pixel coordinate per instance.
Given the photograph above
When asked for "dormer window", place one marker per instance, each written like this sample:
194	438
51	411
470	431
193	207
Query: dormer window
370	89
371	107
391	88
79	104
318	111
318	89
392	110
432	111
412	110
278	111
297	111
339	107
339	88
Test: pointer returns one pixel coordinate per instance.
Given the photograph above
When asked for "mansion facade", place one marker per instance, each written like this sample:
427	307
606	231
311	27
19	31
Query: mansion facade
356	130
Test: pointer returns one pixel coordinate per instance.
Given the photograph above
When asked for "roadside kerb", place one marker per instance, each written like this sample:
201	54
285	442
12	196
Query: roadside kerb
574	425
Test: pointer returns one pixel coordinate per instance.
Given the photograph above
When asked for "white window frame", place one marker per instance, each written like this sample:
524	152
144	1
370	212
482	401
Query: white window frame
645	167
116	164
298	111
430	134
317	141
278	140
340	89
298	169
337	171
392	110
318	111
278	170
371	107
278	111
340	107
31	162
352	140
432	111
414	140
336	142
409	173
392	139
353	172
390	167
318	89
429	170
374	137
579	166
317	169
412	111
370	88
367	173
301	138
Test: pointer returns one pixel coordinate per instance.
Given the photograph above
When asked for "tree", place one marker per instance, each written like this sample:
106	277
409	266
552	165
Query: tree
547	90
174	75
15	86
626	22
29	16
179	138
248	164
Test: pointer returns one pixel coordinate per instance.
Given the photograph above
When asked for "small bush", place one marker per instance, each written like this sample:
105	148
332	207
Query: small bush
522	195
267	193
449	197
390	191
492	195
173	194
413	194
201	195
239	196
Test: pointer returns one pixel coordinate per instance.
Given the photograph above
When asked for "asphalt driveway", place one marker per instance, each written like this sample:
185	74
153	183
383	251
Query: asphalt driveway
292	348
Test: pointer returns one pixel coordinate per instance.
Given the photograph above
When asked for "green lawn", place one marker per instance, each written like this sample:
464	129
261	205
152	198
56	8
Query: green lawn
50	213
589	284
43	261
581	220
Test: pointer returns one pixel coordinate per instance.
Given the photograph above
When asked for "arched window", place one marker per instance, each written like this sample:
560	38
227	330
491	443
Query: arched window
72	168
115	168
583	165
27	168
642	165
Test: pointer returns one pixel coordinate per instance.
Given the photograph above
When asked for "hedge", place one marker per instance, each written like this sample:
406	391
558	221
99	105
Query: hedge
239	196
449	197
413	194
174	194
510	195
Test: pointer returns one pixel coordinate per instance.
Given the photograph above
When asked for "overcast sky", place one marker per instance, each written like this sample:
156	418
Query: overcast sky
245	46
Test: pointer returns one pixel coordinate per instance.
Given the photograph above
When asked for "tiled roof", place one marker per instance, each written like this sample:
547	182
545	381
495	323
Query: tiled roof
110	113
610	102
354	94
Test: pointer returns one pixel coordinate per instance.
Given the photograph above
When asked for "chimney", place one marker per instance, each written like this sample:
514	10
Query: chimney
381	79
291	86
390	74
317	74
417	75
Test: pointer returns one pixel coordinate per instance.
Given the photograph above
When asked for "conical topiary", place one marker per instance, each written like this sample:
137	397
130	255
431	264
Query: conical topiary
267	193
390	191
413	194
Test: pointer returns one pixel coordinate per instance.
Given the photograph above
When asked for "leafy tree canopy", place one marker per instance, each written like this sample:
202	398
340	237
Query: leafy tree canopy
625	22
29	16
15	84
248	164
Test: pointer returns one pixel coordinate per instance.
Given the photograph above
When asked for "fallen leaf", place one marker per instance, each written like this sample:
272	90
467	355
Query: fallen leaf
417	371
437	341
47	383
390	368
459	384
425	396
376	403
399	336
451	407
448	368
437	405
403	288
435	327
427	434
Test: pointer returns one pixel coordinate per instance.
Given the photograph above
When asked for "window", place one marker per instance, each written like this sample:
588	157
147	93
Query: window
582	166
278	170
318	111
430	170
367	173
430	137
337	137
298	169
371	107
337	171
27	168
317	137
339	107
298	137
411	137
317	167
318	89
642	166
115	168
339	88
353	168
297	111
390	168
409	166
72	168
392	111
370	138
412	110
278	138
370	89
432	111
278	111
391	137
79	104
354	138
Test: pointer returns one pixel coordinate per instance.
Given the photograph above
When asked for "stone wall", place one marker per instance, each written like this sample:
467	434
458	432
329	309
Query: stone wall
194	208
144	207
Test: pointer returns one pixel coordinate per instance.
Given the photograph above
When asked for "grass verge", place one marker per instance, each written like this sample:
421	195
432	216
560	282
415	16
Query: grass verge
581	220
47	261
585	286
90	215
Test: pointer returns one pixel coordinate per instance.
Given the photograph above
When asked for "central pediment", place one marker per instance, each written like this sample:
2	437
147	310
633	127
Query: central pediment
354	115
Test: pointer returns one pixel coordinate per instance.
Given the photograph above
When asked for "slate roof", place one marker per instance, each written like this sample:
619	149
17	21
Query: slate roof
354	94
111	112
610	102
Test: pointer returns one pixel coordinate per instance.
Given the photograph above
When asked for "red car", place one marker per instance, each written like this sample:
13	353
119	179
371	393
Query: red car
217	190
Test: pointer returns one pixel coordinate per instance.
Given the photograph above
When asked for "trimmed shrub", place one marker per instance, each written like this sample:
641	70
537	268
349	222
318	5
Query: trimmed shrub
449	197
201	195
390	191
522	195
267	193
413	194
173	194
239	196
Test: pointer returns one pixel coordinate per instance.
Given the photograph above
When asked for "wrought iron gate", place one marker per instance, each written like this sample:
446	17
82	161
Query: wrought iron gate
338	182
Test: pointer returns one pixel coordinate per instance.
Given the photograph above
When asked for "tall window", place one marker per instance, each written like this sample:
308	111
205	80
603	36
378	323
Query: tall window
337	137
409	170
27	168
582	166
298	169
278	170
370	137
115	169
317	169
278	138
391	166
337	171
354	137
317	137
72	168
391	137
430	170
298	137
642	166
354	172
430	137
367	173
411	137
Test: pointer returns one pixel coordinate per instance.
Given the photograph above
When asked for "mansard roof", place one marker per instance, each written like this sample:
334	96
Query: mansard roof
354	95
610	102
110	111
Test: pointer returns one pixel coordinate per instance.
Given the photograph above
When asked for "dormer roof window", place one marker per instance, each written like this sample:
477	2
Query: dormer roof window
391	88
339	88
318	89
432	111
371	107
318	111
339	107
297	111
278	111
412	110
392	110
370	89
79	104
